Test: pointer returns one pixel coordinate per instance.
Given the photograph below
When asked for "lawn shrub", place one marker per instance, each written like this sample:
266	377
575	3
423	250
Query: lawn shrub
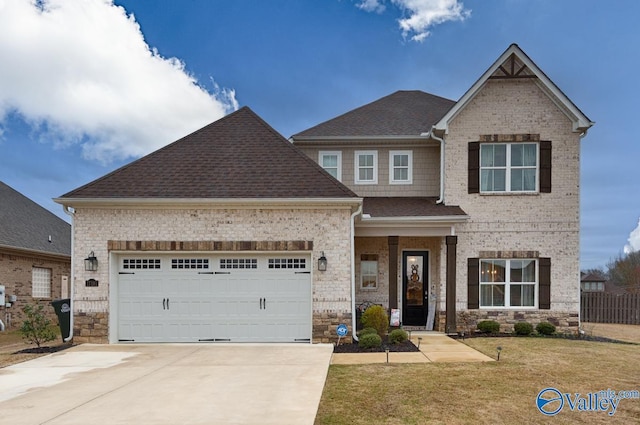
398	336
367	331
370	341
376	317
523	328
36	327
545	328
489	326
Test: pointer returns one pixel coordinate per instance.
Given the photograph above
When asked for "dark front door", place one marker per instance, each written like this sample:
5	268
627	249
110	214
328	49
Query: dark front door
415	274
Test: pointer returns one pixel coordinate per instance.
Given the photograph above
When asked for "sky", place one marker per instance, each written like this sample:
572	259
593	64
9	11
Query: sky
87	86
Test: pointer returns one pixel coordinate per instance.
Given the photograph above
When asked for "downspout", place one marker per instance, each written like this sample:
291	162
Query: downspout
441	140
72	286
353	272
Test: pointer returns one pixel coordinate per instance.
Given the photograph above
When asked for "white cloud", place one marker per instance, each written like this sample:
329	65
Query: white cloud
421	14
81	72
634	240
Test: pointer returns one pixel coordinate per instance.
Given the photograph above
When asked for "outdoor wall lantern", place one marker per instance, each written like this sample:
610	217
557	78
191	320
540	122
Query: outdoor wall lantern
91	263
322	263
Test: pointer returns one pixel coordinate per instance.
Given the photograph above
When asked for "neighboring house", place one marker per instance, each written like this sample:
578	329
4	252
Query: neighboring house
35	256
469	206
425	205
592	282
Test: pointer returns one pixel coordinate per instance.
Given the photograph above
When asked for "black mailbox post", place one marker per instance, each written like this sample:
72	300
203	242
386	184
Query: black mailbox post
62	308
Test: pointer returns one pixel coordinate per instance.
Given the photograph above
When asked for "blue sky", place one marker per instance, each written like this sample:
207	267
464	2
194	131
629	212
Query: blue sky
87	85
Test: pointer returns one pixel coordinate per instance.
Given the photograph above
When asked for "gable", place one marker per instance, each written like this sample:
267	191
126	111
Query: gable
237	157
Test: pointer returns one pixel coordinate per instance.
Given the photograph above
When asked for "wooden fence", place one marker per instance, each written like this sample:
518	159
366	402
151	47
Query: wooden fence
601	307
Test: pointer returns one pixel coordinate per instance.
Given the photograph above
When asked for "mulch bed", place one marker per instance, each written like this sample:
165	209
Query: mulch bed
44	350
563	336
403	347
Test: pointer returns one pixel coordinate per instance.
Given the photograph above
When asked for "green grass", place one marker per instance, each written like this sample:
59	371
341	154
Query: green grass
501	392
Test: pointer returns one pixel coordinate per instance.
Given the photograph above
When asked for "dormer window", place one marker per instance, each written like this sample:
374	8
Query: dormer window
366	167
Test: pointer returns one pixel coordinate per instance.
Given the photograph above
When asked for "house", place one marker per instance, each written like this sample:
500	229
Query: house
470	207
592	282
444	211
35	256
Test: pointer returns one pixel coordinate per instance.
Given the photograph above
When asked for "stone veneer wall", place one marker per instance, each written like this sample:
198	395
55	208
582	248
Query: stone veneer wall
565	322
547	223
193	229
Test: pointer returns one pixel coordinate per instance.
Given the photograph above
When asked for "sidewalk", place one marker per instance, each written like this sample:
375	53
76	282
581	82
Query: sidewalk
434	347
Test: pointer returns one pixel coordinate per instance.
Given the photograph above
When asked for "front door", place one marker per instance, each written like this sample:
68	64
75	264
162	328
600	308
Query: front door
415	265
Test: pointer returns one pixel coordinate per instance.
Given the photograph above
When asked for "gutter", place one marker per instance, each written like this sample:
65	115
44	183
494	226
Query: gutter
71	214
353	273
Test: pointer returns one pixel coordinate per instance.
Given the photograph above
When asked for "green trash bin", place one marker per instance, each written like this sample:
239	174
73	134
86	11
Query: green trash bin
62	308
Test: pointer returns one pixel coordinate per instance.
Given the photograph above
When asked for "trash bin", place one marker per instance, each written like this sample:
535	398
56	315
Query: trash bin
62	308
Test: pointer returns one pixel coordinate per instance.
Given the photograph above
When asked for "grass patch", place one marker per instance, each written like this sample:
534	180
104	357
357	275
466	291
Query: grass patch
497	392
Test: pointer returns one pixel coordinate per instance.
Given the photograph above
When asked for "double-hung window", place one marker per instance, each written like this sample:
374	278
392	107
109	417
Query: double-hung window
331	161
366	167
509	167
400	167
508	283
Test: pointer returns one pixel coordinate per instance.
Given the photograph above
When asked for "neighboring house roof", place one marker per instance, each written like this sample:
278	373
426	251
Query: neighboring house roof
592	277
377	207
237	157
25	225
515	64
403	113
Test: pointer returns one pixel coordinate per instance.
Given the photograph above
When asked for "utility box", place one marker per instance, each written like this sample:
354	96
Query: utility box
2	296
62	308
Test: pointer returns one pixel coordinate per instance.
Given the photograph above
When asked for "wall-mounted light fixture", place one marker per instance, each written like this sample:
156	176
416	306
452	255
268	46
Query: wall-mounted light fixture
91	263
322	263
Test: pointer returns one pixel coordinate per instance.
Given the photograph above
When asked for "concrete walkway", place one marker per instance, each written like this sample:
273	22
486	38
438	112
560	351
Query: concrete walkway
167	384
434	347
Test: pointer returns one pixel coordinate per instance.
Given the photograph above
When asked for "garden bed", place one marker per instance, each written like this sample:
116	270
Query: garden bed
402	347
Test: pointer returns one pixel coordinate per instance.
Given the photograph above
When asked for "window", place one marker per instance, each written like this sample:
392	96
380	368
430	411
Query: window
140	263
368	275
238	263
508	283
287	263
400	167
189	263
508	167
40	282
593	286
366	167
331	162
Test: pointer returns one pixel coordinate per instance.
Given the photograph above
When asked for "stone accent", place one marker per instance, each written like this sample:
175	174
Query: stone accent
325	324
91	328
505	138
565	322
508	254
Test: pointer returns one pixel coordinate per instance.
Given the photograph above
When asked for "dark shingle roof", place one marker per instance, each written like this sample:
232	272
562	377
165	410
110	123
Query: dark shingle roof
403	113
378	207
26	225
238	156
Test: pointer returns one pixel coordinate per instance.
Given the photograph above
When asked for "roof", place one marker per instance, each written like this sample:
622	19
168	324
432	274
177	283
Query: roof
378	207
592	277
25	225
514	63
237	157
403	113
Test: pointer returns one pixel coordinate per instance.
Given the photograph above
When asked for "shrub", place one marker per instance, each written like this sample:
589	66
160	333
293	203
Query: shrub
398	336
376	317
36	328
367	331
523	328
370	341
489	326
545	328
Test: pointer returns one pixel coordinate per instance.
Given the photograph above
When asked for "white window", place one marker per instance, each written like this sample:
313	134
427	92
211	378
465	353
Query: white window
509	167
508	283
366	167
369	275
400	167
40	282
331	161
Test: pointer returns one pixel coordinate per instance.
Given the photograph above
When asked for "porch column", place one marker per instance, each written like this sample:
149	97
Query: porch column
450	326
393	271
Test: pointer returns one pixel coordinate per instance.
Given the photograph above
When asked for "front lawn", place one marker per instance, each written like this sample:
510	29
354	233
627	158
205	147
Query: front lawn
501	392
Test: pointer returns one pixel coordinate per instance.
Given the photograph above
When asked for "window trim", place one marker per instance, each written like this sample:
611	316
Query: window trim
508	168
338	154
392	167
507	285
356	167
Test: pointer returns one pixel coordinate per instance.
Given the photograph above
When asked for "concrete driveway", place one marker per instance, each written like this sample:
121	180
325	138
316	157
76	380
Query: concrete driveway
167	384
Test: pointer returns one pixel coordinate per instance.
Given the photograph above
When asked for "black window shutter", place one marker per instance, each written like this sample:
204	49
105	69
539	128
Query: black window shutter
474	167
473	283
544	289
545	167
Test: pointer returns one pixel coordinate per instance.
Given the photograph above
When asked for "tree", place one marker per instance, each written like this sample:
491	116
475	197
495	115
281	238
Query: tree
624	271
36	328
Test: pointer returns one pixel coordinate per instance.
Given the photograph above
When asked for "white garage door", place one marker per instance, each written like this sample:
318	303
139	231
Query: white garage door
236	298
